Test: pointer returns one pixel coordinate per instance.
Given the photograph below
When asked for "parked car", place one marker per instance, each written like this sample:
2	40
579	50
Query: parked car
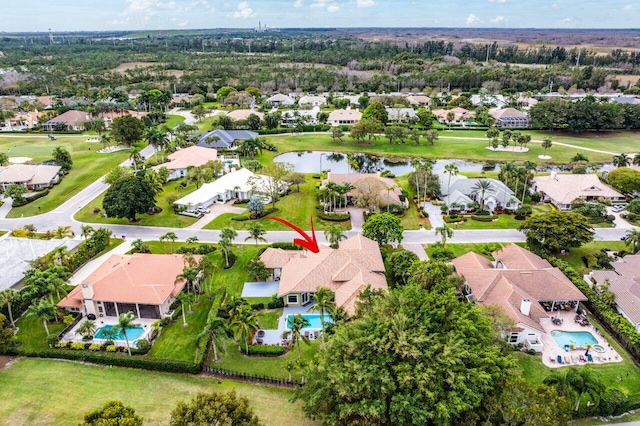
203	210
617	208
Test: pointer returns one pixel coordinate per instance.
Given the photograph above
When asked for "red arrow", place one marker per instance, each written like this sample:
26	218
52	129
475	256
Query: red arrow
309	242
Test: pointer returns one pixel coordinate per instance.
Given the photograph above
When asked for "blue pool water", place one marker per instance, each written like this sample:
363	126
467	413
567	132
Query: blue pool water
314	321
132	333
577	338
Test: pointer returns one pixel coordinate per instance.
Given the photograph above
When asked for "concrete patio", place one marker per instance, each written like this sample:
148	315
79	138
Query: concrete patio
145	323
274	337
260	289
551	350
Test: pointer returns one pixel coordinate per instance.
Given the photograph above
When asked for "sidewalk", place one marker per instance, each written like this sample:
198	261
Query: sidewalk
6	207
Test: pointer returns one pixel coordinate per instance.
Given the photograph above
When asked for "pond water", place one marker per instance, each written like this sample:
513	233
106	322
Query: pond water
336	162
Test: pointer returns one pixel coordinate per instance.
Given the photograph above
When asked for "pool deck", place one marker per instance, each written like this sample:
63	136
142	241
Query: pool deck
274	337
551	350
145	323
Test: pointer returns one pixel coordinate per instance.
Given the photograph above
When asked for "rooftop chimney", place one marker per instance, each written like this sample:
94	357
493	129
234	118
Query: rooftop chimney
87	291
525	307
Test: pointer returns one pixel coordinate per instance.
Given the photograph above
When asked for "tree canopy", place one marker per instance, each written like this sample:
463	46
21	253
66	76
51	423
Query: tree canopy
624	179
554	231
383	228
127	197
126	130
215	409
113	413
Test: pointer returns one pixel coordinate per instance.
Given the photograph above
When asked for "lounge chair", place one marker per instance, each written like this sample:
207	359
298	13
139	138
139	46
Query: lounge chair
560	359
566	348
552	359
567	360
582	358
589	358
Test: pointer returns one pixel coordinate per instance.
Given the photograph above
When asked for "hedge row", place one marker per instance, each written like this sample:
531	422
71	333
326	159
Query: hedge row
478	218
266	350
337	217
34	197
112	359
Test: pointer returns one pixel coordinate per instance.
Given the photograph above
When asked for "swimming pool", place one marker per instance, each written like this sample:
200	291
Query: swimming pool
314	321
576	338
133	333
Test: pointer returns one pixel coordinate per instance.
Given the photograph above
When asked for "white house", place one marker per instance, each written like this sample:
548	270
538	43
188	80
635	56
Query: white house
312	100
344	116
307	116
401	114
462	191
35	176
509	117
240	184
280	100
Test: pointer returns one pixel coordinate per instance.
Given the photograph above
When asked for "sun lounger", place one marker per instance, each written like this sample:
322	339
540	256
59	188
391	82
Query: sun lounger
552	359
566	348
567	360
589	358
573	358
560	359
582	358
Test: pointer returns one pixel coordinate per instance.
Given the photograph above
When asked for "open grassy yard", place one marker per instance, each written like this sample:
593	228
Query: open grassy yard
297	208
174	120
574	257
165	218
411	220
44	392
504	221
32	334
471	145
88	166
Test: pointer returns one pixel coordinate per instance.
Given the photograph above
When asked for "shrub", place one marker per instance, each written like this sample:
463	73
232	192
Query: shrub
286	246
77	346
143	345
61	344
634	206
449	219
536	197
523	212
232	260
257	306
276	302
165	321
441	253
95	347
266	350
52	339
335	217
482	218
111	348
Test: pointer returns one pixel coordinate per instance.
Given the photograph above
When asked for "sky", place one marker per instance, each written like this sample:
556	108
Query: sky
99	15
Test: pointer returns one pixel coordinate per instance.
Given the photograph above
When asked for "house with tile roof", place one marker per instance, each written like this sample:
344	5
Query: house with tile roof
344	116
347	271
460	115
33	176
144	284
243	114
509	117
522	285
419	100
387	190
223	139
71	120
460	191
279	99
562	189
313	100
181	160
624	283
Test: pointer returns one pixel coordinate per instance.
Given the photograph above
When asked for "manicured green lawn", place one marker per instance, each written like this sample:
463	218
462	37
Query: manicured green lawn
88	166
165	218
297	208
574	257
173	120
44	392
268	318
505	221
32	334
411	220
233	360
178	342
484	249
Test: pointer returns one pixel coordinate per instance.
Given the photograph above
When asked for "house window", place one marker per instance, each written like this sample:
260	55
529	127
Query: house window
292	298
513	337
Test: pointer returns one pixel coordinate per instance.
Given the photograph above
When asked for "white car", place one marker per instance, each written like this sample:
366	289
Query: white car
203	210
617	208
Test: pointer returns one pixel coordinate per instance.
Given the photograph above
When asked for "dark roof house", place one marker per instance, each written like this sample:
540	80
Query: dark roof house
223	139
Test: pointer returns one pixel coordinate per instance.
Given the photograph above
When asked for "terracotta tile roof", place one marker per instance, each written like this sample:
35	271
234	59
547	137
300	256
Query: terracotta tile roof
71	117
507	113
520	275
30	174
354	179
137	278
625	284
193	156
564	188
345	115
346	271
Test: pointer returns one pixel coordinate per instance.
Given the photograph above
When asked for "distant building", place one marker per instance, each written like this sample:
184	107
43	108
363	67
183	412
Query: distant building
460	115
70	120
510	117
34	177
562	189
419	100
344	116
224	139
243	114
462	193
181	160
401	114
312	100
280	100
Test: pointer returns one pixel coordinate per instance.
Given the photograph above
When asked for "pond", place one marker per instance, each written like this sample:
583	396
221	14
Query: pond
336	162
315	161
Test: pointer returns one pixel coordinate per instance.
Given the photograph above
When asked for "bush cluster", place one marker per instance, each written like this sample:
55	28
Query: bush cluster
34	197
335	217
266	350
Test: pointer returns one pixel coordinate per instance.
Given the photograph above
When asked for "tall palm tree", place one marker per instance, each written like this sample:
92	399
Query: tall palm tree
632	238
7	297
452	170
86	231
482	187
135	158
323	298
530	169
214	327
334	235
445	233
244	324
256	232
506	171
296	324
621	160
158	139
45	311
169	236
185	299
125	322
63	232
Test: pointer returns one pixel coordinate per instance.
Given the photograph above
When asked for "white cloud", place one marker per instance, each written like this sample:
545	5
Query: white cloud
568	20
146	7
321	3
472	19
555	6
183	24
498	19
628	7
298	3
244	11
365	3
333	8
498	1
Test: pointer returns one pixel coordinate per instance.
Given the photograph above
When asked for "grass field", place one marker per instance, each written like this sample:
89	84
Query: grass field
471	145
411	220
574	257
43	392
87	167
165	218
174	120
297	208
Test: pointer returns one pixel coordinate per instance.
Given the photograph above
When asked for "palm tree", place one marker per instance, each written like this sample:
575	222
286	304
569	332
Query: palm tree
546	144
492	135
87	329
452	170
632	238
63	232
135	158
109	335
256	232
214	327
529	166
61	255
445	232
323	298
185	298
244	324
6	298
621	160
171	236
482	187
86	231
296	324
225	246
227	235
45	311
125	321
334	235
157	139
636	160
579	158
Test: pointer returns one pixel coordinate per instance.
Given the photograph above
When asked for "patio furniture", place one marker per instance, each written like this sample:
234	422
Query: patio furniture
259	341
552	359
566	348
582	358
589	358
567	360
560	359
260	333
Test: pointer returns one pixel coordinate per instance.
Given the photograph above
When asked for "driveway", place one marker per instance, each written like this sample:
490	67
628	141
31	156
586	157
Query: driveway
216	210
6	207
260	289
417	249
435	214
357	218
619	222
